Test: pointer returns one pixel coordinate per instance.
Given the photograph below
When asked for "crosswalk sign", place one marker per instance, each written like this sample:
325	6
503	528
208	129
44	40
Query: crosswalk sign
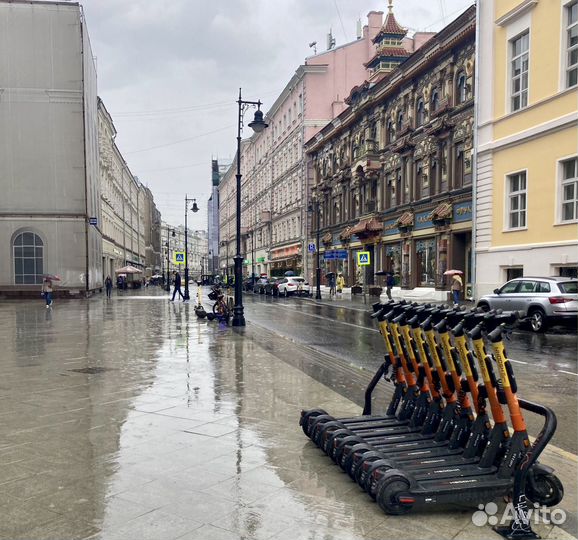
363	258
179	257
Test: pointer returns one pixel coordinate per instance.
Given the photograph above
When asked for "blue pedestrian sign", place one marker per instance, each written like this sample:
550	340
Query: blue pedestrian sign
311	248
363	258
179	257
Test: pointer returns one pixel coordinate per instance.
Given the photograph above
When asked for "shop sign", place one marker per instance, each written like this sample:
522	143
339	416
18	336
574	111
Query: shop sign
463	212
423	220
260	259
390	227
335	254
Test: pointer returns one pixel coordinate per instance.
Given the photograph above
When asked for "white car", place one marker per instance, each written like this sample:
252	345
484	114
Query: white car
293	285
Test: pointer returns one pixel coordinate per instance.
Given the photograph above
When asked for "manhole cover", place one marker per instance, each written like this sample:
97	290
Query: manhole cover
90	370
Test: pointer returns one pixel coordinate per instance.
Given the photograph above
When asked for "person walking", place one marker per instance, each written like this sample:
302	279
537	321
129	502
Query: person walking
177	289
47	291
340	284
108	286
332	283
457	285
389	284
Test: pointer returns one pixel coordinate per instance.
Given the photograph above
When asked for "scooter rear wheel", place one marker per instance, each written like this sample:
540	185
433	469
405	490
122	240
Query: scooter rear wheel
388	496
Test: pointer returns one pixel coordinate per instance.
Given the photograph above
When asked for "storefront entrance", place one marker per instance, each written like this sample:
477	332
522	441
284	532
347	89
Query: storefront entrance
426	262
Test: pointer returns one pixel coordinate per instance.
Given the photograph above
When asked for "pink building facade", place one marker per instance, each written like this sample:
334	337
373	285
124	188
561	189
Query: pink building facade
274	191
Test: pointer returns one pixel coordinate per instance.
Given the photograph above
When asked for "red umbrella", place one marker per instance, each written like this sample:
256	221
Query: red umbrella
452	272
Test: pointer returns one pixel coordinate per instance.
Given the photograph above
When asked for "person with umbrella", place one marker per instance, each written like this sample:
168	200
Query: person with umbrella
47	288
457	284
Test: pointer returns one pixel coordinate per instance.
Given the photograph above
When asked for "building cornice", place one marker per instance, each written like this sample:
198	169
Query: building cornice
516	12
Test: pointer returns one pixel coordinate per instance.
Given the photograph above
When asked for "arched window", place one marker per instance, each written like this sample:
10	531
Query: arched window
28	254
435	101
460	88
400	121
390	131
419	113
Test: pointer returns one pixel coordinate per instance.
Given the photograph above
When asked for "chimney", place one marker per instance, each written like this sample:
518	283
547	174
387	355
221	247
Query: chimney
358	29
375	22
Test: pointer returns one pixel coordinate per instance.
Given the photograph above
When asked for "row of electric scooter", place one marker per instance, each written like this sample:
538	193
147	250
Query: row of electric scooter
445	437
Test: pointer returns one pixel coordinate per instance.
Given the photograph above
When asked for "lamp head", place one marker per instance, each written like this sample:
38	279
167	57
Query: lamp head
173	235
258	124
195	208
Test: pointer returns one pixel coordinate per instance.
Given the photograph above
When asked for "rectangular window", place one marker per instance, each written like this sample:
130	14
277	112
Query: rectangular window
519	71
517	201
572	44
569	186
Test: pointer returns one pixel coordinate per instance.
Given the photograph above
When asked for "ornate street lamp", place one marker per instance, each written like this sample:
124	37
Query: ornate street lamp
194	209
168	284
313	209
257	125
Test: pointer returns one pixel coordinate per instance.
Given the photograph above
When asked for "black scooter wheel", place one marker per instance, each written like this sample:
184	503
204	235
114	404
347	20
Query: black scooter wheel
388	496
545	489
317	423
354	456
344	449
334	439
307	416
362	466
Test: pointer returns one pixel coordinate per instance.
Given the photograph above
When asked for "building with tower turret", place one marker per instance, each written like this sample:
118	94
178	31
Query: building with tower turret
391	176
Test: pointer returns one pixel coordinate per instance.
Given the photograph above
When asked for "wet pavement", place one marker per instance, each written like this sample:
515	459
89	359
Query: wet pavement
545	364
132	419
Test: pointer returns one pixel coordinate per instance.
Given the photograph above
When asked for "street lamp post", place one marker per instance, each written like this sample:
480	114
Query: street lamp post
257	125
195	209
168	284
314	210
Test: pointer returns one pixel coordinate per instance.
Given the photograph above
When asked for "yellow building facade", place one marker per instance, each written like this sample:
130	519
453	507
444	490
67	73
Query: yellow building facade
526	185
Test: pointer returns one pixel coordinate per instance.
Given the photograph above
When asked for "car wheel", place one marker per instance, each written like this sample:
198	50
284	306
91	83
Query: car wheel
538	320
285	293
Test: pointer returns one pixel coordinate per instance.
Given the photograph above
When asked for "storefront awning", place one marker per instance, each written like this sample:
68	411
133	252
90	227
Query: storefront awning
326	238
405	220
366	226
442	211
345	234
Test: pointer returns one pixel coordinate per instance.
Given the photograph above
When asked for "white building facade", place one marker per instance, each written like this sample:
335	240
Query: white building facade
49	180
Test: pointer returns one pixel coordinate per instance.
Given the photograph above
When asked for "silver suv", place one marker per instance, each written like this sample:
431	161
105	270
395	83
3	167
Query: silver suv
543	300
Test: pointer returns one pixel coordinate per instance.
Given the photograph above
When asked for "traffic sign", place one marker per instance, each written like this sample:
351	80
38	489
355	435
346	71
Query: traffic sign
93	220
179	257
311	247
363	258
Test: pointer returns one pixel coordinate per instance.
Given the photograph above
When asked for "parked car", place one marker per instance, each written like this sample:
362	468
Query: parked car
272	286
293	285
259	287
543	300
248	284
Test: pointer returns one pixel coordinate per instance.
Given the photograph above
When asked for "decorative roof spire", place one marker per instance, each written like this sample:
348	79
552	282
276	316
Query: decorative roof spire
390	51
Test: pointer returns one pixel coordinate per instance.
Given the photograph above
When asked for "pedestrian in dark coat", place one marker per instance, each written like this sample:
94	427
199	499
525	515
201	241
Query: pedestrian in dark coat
389	284
177	289
108	285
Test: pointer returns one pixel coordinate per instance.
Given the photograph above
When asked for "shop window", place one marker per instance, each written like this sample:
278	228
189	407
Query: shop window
513	273
28	256
426	262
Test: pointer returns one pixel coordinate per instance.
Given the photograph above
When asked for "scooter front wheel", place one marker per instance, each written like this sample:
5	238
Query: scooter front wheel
545	490
389	496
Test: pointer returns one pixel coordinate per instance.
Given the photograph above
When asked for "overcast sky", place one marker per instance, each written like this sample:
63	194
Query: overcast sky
169	74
